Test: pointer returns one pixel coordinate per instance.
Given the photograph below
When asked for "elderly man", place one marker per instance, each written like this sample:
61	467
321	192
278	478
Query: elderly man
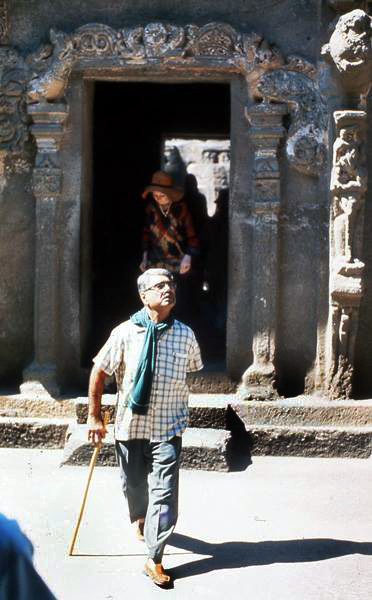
150	355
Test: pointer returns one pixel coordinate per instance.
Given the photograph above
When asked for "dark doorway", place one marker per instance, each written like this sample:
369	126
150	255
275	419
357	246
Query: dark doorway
130	122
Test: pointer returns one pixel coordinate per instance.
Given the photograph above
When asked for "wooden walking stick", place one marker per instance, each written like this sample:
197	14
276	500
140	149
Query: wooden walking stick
106	419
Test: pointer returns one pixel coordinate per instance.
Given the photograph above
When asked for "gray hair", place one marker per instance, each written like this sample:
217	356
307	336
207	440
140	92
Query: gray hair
144	280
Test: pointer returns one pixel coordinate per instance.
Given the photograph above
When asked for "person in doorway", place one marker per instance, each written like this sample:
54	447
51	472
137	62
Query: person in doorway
169	240
150	355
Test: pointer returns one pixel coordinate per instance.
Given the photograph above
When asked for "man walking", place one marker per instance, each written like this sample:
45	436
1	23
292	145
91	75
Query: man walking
150	355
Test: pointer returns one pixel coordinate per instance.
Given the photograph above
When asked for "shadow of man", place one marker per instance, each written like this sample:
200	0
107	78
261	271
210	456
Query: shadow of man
234	555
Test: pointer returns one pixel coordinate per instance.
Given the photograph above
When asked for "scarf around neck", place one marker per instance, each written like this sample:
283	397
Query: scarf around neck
140	395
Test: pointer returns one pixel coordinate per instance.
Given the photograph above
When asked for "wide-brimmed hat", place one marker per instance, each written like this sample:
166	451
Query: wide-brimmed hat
163	182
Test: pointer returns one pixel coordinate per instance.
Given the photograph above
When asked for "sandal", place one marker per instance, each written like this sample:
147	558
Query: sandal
157	574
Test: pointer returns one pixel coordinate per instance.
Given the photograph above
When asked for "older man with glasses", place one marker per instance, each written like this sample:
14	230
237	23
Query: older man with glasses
150	355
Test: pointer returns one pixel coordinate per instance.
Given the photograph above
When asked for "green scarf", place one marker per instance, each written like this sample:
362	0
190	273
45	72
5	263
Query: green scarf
140	396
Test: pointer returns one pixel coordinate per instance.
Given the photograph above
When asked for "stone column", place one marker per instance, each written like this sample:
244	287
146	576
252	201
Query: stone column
47	128
265	133
348	189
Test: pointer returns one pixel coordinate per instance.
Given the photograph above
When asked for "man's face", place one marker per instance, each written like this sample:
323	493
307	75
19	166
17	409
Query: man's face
161	293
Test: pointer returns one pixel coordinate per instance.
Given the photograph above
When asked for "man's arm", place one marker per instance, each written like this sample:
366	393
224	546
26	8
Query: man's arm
96	431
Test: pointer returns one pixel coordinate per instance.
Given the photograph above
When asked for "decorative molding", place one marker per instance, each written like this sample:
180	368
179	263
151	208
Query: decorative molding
348	188
47	128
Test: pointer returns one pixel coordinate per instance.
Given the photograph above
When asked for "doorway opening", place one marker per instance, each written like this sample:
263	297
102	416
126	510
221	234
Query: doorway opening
132	122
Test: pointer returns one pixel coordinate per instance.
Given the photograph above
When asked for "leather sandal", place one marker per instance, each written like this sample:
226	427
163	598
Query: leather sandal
157	574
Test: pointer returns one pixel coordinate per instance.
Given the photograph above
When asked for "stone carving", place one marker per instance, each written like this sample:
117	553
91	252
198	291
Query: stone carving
13	116
350	50
348	188
51	65
293	84
47	177
4	21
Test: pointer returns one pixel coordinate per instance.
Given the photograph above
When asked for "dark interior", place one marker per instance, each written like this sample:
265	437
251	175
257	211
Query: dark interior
130	122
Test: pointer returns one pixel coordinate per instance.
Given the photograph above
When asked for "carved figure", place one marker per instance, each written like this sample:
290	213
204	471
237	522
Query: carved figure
13	117
350	50
55	64
348	187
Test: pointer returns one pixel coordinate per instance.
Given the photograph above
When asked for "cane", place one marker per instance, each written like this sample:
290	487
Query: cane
106	419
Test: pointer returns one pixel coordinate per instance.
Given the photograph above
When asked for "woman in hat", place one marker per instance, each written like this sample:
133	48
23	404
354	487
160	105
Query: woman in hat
169	239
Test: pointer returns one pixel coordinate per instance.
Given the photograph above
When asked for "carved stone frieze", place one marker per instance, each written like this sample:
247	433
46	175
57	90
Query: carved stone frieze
306	148
269	76
350	51
348	188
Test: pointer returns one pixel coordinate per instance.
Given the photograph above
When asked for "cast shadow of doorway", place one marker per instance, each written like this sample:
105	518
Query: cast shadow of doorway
235	555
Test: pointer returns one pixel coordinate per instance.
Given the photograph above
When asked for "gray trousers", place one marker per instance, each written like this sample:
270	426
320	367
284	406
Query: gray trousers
149	472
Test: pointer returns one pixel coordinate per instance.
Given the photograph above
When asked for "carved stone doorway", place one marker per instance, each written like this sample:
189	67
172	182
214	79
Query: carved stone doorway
129	123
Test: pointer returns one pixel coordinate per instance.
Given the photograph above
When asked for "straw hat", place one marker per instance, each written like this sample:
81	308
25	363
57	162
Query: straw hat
163	182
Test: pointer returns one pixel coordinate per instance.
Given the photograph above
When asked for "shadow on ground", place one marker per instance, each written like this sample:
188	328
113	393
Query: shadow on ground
234	555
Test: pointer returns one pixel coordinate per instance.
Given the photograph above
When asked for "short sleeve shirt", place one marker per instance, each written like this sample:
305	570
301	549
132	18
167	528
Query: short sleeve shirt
177	354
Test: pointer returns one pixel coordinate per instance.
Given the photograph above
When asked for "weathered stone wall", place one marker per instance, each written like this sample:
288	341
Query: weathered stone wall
279	202
273	18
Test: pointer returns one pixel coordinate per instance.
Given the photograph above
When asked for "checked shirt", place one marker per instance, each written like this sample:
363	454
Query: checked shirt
177	354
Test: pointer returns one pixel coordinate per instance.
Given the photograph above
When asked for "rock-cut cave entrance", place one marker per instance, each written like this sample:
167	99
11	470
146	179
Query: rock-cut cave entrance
132	123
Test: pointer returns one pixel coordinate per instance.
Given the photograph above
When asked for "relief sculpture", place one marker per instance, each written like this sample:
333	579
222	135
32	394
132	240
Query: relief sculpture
350	51
294	84
348	188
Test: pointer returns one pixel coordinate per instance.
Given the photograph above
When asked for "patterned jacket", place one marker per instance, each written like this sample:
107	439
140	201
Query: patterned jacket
168	238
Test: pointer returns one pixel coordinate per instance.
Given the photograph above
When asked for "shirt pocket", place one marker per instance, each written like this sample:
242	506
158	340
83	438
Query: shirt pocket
179	366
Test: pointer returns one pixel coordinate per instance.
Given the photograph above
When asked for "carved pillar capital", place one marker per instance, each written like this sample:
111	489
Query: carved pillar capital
266	130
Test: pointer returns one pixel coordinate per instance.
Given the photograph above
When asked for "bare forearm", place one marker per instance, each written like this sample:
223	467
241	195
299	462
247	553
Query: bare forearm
96	387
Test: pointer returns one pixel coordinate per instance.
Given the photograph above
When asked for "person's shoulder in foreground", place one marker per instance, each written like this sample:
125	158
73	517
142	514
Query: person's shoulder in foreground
19	579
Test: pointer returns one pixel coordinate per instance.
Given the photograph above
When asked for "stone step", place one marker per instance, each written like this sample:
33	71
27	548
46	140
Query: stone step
205	449
206	410
30	432
318	441
24	405
304	411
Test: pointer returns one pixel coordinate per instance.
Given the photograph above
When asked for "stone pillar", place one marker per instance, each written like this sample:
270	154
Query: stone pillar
265	133
47	128
348	189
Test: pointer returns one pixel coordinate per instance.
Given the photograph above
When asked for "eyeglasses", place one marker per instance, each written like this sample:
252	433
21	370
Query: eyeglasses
158	287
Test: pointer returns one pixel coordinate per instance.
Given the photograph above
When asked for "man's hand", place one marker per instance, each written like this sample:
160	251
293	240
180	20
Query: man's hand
96	430
185	265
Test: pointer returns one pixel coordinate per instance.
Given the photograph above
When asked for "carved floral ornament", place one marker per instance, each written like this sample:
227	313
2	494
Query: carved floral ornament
270	77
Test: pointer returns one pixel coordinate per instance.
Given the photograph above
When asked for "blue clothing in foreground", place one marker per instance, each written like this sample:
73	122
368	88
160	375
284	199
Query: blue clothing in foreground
18	577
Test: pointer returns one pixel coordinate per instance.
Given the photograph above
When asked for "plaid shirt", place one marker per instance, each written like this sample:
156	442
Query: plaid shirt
177	353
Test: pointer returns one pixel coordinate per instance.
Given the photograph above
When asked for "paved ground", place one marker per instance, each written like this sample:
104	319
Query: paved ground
285	529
